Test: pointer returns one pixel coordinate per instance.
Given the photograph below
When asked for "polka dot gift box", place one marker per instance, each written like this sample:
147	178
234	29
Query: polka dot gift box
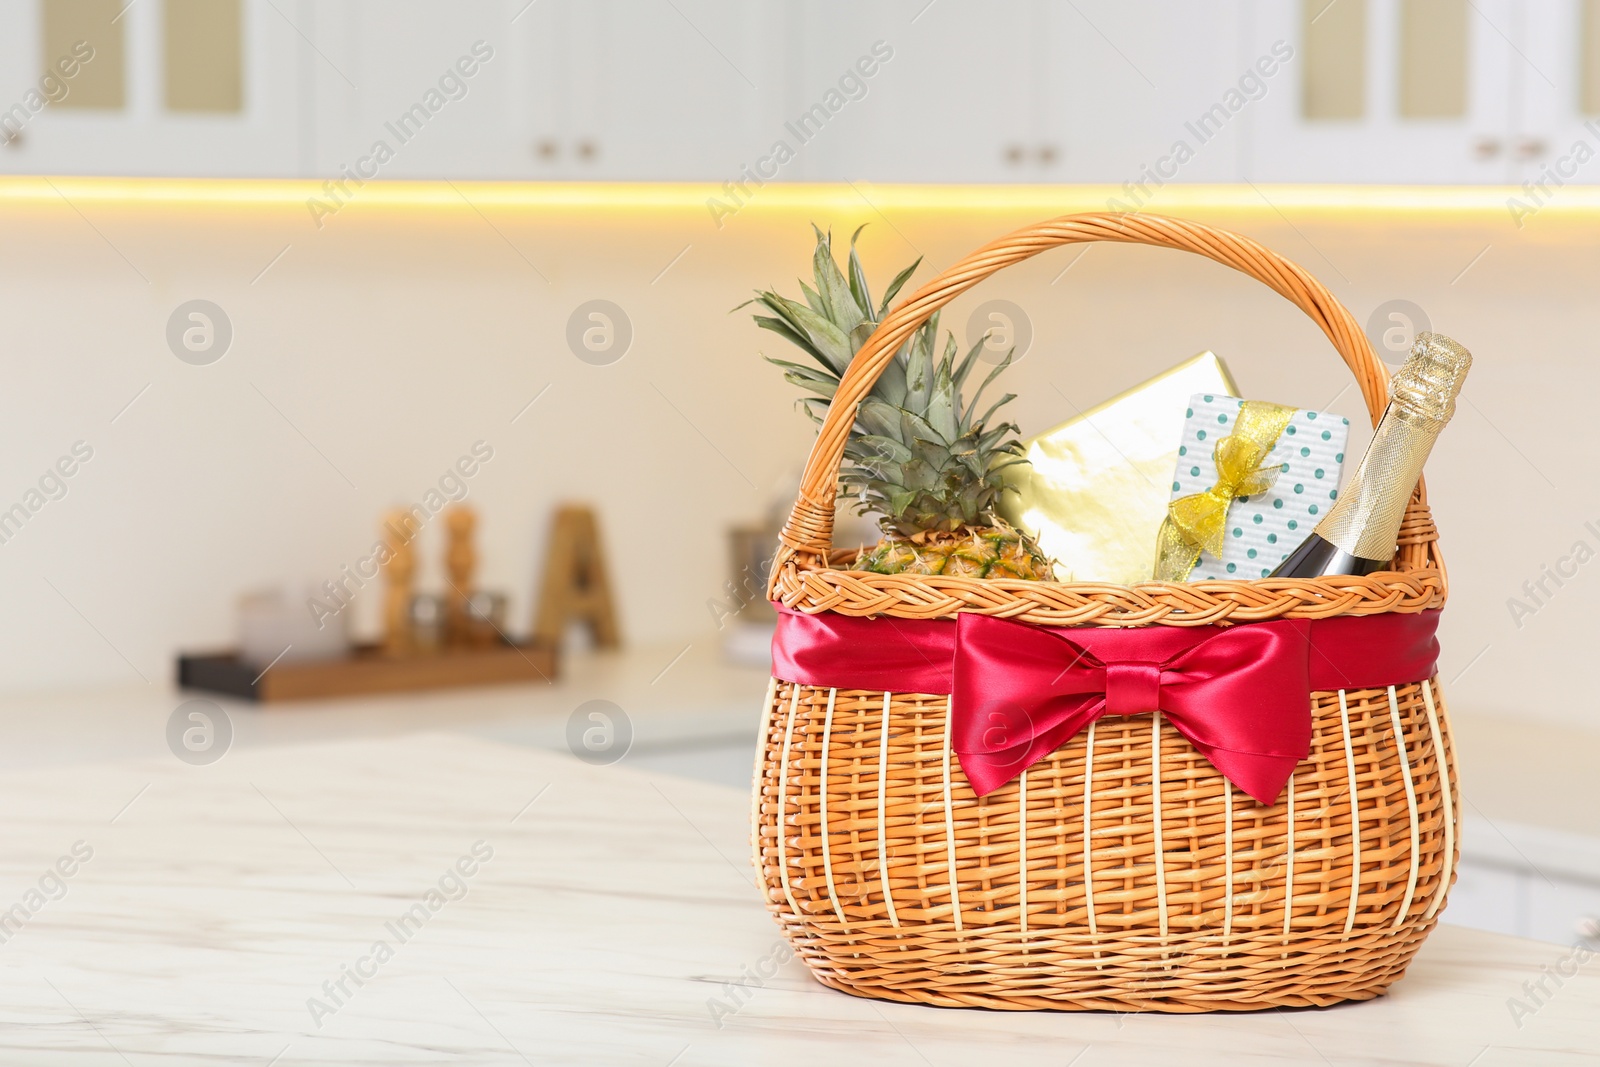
1261	529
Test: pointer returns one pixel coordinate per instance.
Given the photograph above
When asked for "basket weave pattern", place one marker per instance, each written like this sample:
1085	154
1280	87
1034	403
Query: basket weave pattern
1177	898
1123	871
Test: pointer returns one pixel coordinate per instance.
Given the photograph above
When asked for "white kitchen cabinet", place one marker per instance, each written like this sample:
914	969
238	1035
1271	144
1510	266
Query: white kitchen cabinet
417	89
1016	90
1528	881
1147	92
1551	124
144	137
1489	897
560	90
557	136
1540	902
1522	104
954	94
1561	908
680	91
1132	93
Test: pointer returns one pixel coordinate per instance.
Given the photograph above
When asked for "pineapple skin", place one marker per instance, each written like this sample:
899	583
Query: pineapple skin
971	552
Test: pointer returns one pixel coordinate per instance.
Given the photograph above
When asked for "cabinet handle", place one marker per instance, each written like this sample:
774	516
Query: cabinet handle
1013	155
547	150
1531	148
1486	147
1047	155
587	151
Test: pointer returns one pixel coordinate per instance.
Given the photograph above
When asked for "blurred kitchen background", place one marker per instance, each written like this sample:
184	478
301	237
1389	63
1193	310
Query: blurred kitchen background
378	311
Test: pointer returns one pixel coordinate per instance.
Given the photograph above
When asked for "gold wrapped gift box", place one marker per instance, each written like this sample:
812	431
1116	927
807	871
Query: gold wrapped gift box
1097	486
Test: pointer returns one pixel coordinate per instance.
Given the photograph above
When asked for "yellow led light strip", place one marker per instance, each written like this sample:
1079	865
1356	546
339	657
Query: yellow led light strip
1410	202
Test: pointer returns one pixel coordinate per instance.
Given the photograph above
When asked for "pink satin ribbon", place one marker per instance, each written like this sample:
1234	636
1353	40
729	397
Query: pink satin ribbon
1240	694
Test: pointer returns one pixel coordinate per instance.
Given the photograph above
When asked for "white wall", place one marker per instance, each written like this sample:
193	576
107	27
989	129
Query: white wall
411	325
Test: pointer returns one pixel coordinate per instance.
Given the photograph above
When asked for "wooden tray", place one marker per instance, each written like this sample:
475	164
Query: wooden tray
367	670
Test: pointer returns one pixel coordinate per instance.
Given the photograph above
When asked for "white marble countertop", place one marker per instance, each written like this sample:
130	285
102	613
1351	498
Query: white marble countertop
219	899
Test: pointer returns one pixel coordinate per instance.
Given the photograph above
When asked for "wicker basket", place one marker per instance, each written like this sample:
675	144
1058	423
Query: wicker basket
1122	872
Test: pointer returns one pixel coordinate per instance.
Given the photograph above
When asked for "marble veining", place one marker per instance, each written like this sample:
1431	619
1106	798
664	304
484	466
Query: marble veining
229	914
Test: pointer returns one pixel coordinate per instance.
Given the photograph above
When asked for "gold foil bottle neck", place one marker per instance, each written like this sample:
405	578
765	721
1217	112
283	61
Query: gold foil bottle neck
1365	521
1427	385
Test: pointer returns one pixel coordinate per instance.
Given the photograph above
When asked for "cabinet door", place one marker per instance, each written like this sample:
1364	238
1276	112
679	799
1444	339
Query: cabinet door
144	136
678	91
416	89
1559	92
1376	142
1146	92
911	91
1025	90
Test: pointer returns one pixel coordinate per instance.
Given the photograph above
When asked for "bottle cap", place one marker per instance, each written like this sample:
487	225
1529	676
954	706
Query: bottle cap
1365	521
1426	386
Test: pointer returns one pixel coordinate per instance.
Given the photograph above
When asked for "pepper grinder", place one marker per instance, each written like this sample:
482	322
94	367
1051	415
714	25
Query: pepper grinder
398	573
460	560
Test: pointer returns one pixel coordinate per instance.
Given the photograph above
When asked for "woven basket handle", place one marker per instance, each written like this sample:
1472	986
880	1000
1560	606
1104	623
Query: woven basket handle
808	535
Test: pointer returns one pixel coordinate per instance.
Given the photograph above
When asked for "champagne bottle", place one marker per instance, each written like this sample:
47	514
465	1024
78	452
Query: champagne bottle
1360	531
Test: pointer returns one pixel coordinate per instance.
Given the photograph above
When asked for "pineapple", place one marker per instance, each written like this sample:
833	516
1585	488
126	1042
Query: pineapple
926	462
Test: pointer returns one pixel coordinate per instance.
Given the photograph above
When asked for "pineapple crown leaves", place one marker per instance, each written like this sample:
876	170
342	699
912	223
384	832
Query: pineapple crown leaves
835	320
934	464
918	454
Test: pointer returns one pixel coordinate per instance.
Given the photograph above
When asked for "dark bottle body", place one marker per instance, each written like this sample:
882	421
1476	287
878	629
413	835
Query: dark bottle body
1317	556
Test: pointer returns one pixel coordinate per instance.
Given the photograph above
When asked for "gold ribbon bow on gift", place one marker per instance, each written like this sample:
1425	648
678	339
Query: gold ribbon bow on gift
1198	523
